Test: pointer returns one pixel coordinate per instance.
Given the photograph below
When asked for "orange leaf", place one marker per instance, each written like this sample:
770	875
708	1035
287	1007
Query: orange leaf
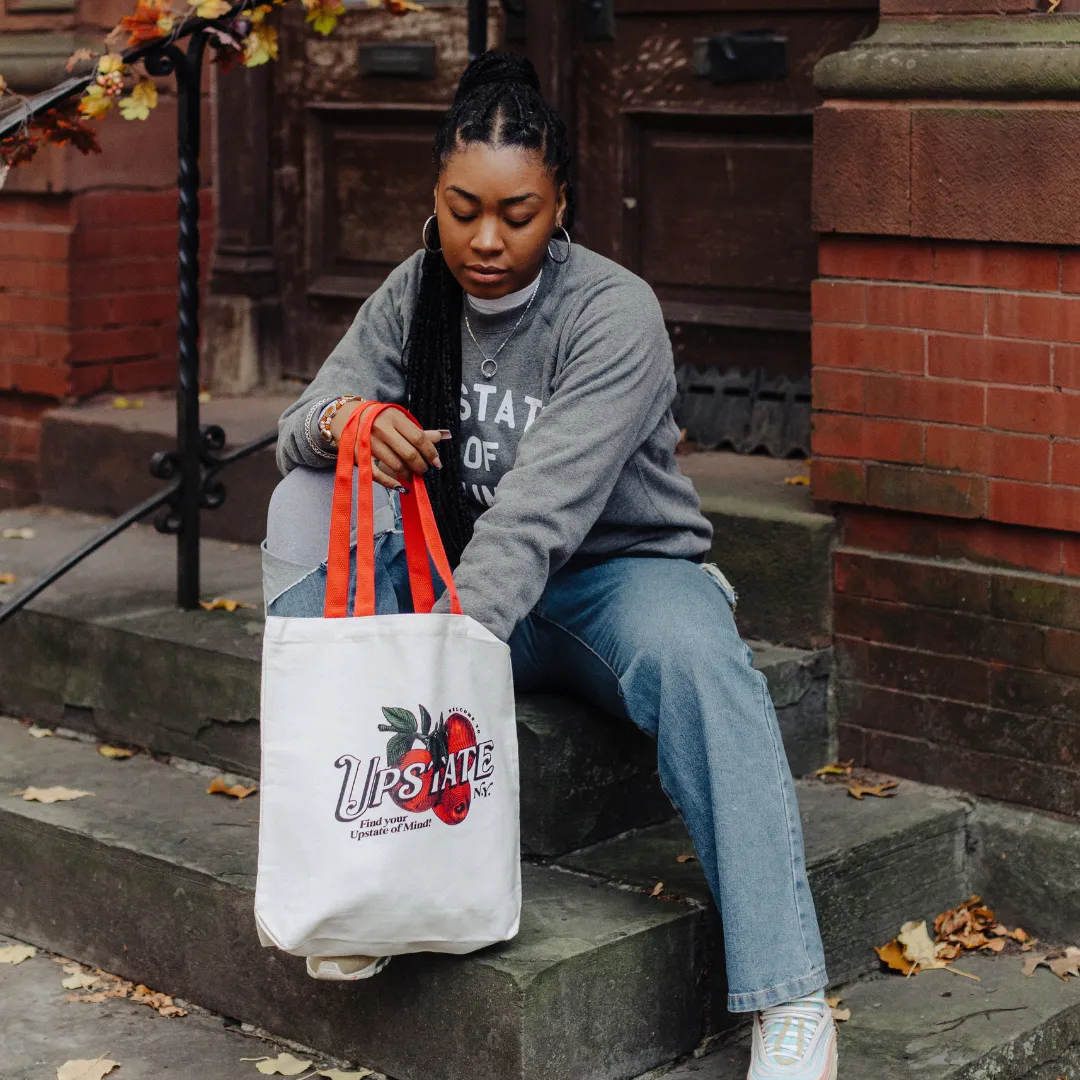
658	890
882	790
892	955
837	768
686	858
221	604
152	19
995	945
238	791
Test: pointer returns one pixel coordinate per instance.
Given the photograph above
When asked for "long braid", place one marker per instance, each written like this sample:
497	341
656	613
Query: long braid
498	103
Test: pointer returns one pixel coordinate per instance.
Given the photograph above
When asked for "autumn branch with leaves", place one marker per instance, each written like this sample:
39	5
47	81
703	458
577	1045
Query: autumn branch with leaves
241	32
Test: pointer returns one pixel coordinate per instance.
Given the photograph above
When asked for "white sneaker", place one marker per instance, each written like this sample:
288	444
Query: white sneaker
794	1041
345	968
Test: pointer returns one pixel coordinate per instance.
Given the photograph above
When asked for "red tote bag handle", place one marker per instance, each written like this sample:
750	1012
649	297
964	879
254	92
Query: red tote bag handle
417	518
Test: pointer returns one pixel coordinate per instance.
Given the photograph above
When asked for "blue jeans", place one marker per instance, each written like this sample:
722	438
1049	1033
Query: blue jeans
654	640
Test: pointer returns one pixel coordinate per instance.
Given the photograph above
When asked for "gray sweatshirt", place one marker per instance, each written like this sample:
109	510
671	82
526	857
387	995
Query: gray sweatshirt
569	449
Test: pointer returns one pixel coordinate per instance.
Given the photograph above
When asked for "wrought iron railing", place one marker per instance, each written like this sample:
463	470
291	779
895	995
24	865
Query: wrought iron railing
192	468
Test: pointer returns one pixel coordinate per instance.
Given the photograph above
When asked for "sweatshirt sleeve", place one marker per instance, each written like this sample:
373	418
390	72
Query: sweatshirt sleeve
366	362
615	387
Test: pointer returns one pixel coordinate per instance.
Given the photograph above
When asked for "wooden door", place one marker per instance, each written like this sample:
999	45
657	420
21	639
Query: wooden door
704	188
353	175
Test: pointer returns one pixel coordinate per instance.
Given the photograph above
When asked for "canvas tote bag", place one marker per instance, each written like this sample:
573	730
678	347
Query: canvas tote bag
389	808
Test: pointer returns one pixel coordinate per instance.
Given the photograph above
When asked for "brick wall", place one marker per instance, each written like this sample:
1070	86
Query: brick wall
87	305
947	430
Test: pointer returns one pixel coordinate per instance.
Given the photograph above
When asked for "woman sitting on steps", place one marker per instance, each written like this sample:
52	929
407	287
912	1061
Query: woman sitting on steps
573	534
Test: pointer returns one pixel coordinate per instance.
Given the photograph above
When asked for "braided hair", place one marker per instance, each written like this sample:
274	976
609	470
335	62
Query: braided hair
498	103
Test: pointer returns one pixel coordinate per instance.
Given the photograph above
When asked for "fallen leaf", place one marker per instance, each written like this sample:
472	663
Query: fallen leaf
337	1074
218	786
918	946
143	995
797	481
204	396
658	890
80	980
221	604
892	955
841	1014
1020	935
882	790
1030	964
1069	964
17	534
7	578
38	732
282	1065
686	858
115	752
16	954
994	945
95	998
82	1069
51	794
127	403
837	768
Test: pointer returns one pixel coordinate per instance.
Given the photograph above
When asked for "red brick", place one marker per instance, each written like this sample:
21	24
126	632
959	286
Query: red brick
36	209
919	398
985	452
1070	556
852	573
1038	412
1037	318
124	309
1063	651
107	208
89	379
837	391
53	346
922	491
885	530
1070	271
838	302
1035	504
25	275
875	259
997	266
1066	463
123	275
114	344
17	310
907	8
868	349
836	435
144	375
1067	366
120	241
18	341
1000	545
20	440
933	308
39	379
43	242
839	481
1025	363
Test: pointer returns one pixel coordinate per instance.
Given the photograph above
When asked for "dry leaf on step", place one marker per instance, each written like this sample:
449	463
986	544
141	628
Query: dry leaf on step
143	995
686	858
337	1074
892	955
836	768
282	1065
918	947
80	980
51	794
127	403
39	732
118	752
17	534
994	945
882	790
219	786
658	890
838	1013
16	954
221	604
797	481
7	578
83	1069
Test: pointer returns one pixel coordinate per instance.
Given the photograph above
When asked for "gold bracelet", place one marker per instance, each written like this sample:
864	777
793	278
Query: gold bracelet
326	417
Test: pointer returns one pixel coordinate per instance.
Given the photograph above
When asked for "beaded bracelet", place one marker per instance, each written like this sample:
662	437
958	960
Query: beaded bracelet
326	417
309	419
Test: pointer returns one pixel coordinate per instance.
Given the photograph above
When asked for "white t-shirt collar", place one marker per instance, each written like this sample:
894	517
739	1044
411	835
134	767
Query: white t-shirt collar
502	303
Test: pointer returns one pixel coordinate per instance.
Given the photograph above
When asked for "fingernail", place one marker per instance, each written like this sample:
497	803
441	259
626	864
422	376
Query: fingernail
401	490
446	433
437	463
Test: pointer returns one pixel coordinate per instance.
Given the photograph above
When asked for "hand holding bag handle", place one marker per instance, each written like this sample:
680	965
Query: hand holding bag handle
418	520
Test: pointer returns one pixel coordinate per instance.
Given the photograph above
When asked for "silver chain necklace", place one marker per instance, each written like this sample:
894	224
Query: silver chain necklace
489	373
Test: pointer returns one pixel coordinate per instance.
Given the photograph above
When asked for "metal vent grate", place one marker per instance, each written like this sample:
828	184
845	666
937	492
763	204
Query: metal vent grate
744	411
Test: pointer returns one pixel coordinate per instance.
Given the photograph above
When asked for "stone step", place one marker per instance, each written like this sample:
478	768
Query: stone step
939	1026
770	540
95	651
152	879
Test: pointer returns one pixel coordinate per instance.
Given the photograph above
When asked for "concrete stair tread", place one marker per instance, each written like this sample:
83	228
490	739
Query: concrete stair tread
873	864
164	874
1005	1026
93	651
771	540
